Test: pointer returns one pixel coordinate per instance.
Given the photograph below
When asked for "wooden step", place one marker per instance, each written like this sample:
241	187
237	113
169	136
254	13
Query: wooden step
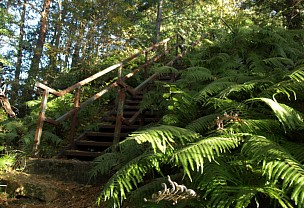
100	136
83	154
132	102
124	128
137	97
131	107
93	143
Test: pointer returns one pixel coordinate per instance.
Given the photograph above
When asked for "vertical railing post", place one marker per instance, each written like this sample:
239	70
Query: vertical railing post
165	50
41	118
120	106
177	44
74	118
146	66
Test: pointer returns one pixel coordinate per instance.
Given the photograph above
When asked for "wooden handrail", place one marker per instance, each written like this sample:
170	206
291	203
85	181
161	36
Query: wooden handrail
99	74
119	82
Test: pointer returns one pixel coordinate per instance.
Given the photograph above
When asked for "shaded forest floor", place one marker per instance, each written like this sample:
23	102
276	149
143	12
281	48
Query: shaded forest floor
35	191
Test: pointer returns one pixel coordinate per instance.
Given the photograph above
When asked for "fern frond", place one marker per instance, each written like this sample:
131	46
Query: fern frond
277	164
103	164
196	74
164	137
255	63
193	156
128	177
298	74
295	149
226	105
212	88
219	57
258	126
286	115
202	124
52	138
279	62
247	87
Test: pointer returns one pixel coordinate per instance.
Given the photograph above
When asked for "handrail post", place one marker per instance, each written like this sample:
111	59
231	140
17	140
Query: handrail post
74	118
146	66
177	44
120	106
165	50
41	118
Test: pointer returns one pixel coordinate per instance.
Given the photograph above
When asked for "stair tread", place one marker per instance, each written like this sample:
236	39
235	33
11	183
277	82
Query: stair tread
101	134
112	126
79	153
93	143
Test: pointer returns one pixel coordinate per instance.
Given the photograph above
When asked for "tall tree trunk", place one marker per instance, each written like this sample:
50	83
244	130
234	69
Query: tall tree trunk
78	46
158	20
15	85
62	13
34	69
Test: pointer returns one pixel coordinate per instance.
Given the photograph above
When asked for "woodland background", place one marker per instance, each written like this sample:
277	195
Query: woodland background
231	127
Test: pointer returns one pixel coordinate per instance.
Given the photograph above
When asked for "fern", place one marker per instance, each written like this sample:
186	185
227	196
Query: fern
202	124
279	62
277	164
288	117
298	74
196	74
127	178
192	157
212	89
163	137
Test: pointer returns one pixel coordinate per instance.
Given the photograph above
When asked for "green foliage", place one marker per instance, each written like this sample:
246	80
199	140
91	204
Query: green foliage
235	129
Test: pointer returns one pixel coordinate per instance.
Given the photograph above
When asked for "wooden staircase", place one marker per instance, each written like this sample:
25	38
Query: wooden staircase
89	145
127	116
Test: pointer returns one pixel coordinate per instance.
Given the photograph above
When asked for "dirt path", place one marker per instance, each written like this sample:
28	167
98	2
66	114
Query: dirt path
35	191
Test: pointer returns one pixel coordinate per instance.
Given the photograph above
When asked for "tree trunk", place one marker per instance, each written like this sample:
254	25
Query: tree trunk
15	85
61	17
158	20
34	69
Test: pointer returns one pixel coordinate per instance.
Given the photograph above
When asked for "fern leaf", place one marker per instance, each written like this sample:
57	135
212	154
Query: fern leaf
278	62
128	177
163	137
258	126
277	163
192	157
298	74
212	88
194	74
286	115
202	124
246	88
103	164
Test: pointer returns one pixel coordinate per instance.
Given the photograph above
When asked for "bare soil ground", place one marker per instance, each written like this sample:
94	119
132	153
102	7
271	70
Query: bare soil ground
35	191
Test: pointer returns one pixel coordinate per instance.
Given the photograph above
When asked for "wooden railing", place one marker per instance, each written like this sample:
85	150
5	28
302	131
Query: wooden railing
159	50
